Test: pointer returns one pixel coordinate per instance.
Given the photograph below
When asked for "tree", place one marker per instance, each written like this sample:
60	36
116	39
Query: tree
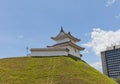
118	80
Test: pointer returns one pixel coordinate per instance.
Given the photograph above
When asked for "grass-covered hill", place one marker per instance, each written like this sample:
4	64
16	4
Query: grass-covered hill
49	70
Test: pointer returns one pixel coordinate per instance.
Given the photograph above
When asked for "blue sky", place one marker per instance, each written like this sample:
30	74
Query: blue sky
32	22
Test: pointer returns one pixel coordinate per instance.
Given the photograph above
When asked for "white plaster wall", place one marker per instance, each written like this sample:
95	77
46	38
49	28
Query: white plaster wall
104	65
48	53
73	51
65	40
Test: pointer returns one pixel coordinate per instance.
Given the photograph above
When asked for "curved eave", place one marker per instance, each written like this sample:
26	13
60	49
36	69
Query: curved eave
57	37
72	37
62	37
68	43
76	46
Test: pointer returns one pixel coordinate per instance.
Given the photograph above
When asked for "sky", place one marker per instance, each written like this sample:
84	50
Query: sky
31	23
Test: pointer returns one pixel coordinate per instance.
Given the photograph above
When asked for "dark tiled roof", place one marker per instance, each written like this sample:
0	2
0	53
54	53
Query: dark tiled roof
49	49
66	34
67	43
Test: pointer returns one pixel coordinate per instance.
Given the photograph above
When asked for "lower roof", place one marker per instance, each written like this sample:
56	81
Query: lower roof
69	43
49	49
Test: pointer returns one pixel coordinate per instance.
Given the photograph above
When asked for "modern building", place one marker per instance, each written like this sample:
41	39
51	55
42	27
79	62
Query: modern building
65	46
111	61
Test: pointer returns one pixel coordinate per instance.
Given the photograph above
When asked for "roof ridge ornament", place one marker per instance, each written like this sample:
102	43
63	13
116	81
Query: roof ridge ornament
61	29
69	33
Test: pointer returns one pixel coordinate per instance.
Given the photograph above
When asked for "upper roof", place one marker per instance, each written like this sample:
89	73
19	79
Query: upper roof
63	35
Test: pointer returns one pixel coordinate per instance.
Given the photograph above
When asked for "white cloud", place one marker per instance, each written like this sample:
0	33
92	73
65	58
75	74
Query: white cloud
110	2
100	39
117	16
97	65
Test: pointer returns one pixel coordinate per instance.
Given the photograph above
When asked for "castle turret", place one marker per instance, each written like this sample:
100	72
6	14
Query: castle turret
65	46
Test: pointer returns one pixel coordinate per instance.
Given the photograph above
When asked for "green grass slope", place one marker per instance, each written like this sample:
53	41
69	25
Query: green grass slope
49	70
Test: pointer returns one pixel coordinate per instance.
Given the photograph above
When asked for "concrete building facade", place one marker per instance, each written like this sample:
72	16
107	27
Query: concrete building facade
111	61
